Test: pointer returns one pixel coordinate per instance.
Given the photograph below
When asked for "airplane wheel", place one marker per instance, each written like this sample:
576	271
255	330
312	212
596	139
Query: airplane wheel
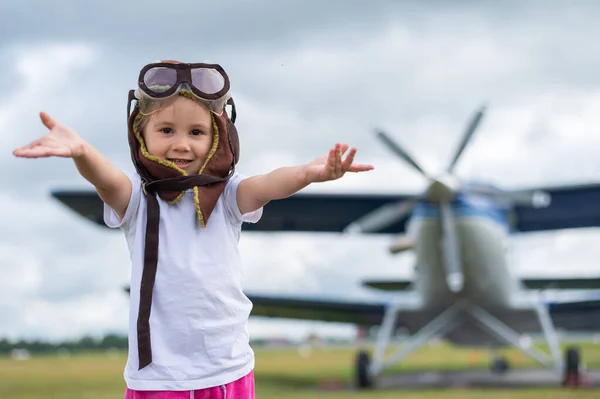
363	378
572	376
500	365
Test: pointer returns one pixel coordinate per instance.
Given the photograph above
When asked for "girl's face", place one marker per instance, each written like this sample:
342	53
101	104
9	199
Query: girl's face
181	133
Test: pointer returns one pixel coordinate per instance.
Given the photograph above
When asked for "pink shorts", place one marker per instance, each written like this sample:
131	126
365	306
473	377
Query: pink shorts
239	389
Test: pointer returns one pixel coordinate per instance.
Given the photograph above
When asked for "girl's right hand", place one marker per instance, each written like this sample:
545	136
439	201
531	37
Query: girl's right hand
61	141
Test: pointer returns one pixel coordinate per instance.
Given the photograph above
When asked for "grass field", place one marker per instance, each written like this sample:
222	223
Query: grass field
279	374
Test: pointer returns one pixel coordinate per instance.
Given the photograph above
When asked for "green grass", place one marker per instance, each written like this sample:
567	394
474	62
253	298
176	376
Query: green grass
279	373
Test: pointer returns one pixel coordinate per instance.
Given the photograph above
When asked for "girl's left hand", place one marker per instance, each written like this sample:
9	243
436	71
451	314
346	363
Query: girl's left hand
331	167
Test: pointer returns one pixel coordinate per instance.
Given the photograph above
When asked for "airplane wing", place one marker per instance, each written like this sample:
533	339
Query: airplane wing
389	285
302	212
562	283
360	312
85	203
579	314
304	308
574	206
323	212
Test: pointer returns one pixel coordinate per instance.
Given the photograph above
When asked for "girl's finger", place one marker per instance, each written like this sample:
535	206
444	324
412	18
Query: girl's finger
331	162
43	152
338	160
343	148
33	144
47	120
349	159
360	168
32	152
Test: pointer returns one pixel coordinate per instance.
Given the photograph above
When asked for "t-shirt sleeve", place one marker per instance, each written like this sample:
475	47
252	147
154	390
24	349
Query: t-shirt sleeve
231	206
111	218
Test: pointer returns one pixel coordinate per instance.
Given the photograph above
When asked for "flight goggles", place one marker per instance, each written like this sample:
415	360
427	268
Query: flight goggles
162	80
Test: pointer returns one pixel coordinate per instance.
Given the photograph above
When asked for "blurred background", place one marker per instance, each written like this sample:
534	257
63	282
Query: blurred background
305	75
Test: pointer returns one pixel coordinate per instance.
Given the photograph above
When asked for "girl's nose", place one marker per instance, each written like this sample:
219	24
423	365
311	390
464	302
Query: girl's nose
181	144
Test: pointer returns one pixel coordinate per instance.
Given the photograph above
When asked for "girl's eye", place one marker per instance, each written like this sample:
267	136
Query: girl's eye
166	130
196	132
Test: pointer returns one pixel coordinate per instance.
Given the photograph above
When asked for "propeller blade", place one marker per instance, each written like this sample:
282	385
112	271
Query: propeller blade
402	243
450	249
466	138
381	217
395	147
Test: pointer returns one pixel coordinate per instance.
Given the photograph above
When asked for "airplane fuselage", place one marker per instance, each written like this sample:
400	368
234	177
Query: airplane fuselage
482	229
482	232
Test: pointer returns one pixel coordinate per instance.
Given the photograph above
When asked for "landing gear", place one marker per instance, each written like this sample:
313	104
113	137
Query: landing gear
499	365
363	375
449	319
440	325
572	372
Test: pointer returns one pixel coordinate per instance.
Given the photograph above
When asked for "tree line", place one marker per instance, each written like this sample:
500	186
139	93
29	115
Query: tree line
109	341
86	343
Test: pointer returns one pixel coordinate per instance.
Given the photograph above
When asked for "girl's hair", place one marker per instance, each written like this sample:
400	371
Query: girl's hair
151	106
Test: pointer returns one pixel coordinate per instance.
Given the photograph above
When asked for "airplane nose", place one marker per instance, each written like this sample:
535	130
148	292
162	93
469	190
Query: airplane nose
442	189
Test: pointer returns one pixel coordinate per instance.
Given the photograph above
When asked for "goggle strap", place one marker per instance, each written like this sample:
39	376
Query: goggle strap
233	111
130	99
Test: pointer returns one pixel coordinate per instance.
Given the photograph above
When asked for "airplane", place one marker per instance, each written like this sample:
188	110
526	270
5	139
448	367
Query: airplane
463	289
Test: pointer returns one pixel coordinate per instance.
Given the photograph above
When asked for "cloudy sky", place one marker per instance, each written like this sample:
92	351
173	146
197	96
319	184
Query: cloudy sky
304	74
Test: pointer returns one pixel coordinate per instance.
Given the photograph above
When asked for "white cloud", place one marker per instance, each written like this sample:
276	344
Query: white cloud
21	273
48	68
547	140
82	315
47	73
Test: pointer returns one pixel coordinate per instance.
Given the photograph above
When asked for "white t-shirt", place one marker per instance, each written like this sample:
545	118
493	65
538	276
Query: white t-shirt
199	314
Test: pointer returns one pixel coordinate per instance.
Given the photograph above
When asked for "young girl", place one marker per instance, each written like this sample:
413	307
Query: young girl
181	213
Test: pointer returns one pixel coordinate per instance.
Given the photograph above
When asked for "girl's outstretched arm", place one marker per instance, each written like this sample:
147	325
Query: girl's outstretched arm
113	186
255	192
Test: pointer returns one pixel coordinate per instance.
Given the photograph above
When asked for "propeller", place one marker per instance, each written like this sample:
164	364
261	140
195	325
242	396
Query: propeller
451	250
382	217
466	138
395	147
441	190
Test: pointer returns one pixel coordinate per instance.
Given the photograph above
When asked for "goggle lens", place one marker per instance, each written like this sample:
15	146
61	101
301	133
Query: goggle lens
160	79
206	80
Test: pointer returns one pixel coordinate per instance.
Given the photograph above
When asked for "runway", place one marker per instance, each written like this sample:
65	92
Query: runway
522	378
